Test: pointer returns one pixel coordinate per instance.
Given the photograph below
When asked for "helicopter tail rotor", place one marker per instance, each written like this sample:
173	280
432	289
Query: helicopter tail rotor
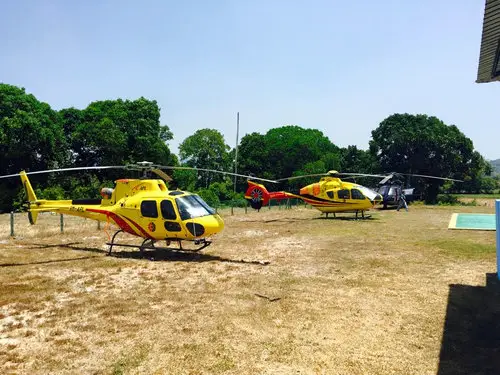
257	195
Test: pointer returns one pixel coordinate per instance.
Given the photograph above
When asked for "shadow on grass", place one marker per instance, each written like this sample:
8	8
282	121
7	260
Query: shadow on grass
348	218
72	245
388	208
285	220
471	336
181	256
44	262
161	254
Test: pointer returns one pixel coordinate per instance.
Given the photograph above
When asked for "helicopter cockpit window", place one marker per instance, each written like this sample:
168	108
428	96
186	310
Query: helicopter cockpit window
383	190
192	206
167	210
149	209
330	194
369	193
356	194
344	194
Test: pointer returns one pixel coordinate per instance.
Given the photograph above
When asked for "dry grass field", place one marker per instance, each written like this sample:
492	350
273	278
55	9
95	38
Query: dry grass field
278	292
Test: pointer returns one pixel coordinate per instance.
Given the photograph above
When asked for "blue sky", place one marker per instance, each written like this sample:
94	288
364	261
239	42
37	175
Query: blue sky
338	66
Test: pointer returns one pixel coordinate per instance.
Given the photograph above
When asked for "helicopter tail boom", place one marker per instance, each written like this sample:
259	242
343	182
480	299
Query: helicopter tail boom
258	195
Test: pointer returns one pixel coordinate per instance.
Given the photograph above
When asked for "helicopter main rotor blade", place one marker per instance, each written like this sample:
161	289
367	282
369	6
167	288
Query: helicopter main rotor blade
162	174
426	176
142	166
304	176
215	171
66	170
386	179
361	174
326	174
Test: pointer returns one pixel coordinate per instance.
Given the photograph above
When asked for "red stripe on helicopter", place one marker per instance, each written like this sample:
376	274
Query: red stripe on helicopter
122	223
321	203
144	233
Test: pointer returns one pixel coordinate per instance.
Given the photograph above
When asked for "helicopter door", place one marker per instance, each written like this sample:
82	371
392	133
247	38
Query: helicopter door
171	222
149	213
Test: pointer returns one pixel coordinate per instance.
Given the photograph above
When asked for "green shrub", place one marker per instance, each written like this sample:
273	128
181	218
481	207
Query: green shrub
417	203
453	200
52	193
210	197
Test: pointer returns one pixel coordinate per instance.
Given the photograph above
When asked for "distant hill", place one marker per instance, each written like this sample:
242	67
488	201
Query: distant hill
496	166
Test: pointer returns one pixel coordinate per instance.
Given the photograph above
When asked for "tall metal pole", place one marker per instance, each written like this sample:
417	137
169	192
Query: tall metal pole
236	149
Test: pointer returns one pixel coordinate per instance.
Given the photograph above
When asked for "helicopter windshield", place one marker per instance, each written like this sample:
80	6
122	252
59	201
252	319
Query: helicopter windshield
192	206
369	193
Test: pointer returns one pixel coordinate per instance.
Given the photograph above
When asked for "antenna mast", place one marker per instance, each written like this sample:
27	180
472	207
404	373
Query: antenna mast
236	148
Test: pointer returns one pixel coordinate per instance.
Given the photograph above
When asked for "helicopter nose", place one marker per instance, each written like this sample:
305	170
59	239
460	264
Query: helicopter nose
205	226
378	199
214	225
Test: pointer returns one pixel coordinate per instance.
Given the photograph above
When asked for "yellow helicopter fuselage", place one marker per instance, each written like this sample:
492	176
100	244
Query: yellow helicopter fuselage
331	194
144	208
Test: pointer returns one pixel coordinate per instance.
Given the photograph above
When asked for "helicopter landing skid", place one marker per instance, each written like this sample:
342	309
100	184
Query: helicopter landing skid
363	216
357	212
149	244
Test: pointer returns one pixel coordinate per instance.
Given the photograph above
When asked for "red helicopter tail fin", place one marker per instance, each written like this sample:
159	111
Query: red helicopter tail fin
257	195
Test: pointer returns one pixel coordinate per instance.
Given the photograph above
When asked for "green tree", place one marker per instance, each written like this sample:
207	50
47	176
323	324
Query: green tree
206	149
223	190
291	147
287	151
31	138
478	179
184	179
253	155
210	197
114	132
424	145
356	160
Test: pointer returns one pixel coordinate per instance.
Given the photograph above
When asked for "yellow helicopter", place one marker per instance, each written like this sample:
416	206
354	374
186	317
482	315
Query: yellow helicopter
329	195
143	207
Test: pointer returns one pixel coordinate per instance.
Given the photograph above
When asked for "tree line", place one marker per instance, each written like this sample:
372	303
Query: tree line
33	136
